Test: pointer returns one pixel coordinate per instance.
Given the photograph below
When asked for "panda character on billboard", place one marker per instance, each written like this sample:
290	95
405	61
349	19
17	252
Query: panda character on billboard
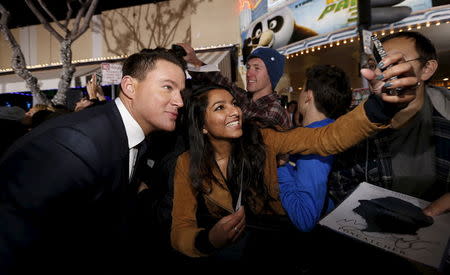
274	30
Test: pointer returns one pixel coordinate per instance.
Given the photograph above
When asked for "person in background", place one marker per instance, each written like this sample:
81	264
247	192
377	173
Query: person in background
41	116
303	189
292	109
36	108
95	95
265	66
41	113
68	195
12	125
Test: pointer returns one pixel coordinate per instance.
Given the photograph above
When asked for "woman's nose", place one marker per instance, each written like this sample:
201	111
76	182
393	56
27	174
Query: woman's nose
235	111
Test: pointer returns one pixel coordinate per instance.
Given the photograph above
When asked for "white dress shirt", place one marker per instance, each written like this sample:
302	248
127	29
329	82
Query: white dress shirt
134	132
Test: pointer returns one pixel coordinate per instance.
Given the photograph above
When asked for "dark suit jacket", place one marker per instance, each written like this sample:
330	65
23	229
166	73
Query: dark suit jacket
66	204
10	130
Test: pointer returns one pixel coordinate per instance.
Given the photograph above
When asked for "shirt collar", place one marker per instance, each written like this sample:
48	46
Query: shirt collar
134	132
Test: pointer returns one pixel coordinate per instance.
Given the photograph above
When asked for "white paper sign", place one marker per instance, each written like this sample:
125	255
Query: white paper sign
111	73
427	247
204	68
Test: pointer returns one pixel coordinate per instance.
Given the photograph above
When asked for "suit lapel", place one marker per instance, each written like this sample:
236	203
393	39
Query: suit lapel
122	142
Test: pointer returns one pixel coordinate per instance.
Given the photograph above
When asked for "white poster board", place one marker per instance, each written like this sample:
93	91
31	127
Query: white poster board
429	246
111	73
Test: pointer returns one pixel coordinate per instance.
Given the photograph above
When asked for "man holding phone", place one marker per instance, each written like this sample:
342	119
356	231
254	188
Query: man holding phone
413	157
409	158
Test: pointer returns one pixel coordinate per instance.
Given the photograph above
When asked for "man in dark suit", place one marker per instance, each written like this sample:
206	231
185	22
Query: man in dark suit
67	194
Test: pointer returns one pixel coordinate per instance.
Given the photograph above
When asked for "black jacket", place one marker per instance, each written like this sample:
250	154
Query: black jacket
66	204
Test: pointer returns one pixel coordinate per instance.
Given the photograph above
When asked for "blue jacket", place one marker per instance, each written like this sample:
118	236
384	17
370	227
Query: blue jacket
303	188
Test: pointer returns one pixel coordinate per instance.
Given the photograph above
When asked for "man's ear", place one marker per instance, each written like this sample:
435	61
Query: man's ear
128	86
429	69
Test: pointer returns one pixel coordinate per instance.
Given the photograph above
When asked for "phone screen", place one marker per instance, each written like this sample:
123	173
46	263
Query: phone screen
377	56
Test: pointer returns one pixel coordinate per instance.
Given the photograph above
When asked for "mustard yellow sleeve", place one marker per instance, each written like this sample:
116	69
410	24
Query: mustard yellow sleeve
184	223
345	132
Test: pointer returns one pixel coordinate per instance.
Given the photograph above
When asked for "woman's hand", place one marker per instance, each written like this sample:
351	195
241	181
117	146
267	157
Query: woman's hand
228	229
406	79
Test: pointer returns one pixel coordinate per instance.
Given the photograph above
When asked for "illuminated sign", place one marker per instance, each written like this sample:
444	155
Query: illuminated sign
277	23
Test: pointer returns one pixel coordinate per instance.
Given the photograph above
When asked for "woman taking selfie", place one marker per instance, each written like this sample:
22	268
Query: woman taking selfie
228	178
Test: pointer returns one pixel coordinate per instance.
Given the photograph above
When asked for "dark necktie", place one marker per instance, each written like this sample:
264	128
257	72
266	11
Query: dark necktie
129	214
142	148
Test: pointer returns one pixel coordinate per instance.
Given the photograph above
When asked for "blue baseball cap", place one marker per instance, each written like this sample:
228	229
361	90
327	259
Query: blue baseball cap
273	60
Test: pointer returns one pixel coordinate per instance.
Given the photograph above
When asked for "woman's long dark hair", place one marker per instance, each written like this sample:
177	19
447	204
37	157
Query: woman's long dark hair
246	162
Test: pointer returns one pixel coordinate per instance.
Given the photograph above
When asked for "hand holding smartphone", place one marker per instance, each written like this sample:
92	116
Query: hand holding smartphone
379	54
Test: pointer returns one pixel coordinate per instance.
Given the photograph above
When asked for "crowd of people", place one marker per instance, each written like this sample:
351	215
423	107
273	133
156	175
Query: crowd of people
16	122
195	174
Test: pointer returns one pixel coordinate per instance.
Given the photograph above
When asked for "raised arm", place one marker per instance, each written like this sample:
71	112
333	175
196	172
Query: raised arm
212	77
367	118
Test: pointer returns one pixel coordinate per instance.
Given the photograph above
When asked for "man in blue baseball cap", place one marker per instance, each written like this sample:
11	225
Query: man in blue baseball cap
265	66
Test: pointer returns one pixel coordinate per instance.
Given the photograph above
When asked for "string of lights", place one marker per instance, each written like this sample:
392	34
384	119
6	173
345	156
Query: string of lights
337	43
101	59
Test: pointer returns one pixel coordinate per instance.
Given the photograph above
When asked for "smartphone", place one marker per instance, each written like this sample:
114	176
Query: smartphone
379	54
99	78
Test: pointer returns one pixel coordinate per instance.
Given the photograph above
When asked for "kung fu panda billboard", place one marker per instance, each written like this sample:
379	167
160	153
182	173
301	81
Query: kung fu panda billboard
277	23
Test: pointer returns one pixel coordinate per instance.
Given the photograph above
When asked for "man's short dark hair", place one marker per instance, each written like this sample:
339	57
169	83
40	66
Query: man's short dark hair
424	46
137	65
331	88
